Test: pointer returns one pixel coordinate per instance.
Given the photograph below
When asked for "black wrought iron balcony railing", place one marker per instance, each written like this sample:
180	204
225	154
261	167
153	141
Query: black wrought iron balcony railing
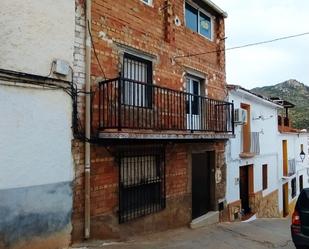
129	104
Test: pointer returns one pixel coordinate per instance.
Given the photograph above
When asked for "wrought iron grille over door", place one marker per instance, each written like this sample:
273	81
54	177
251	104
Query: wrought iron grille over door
141	181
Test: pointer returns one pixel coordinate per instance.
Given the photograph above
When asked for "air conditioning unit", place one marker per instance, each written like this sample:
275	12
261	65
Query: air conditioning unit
240	116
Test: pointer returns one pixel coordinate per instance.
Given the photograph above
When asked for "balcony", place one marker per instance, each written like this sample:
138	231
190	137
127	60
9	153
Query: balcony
284	124
132	109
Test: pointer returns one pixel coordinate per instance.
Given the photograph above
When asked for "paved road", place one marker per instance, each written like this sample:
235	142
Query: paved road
258	234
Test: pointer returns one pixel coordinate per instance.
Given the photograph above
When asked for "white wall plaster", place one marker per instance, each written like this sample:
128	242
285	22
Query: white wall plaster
34	33
35	137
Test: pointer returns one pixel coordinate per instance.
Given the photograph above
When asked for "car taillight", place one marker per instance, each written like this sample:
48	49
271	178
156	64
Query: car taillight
295	218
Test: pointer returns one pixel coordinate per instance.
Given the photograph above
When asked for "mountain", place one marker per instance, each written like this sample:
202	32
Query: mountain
294	92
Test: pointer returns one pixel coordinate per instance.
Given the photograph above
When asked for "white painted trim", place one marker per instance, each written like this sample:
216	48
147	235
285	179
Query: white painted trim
216	8
259	99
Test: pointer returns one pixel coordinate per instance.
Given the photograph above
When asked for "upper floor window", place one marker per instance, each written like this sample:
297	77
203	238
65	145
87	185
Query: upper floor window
137	89
149	2
198	21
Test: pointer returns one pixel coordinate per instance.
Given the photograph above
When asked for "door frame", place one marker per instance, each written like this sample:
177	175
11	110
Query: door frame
193	120
212	190
250	181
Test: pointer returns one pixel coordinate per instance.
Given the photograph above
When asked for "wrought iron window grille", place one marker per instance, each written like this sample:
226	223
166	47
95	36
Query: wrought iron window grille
141	181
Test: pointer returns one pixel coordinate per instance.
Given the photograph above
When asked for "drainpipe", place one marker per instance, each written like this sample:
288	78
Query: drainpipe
87	118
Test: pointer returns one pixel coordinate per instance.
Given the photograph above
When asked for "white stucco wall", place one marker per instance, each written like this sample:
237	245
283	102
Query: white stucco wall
267	127
35	137
294	140
270	150
34	33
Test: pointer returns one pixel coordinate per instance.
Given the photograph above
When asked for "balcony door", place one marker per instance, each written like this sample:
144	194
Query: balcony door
193	103
137	74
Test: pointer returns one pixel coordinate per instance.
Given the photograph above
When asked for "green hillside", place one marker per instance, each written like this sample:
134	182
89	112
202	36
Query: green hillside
294	92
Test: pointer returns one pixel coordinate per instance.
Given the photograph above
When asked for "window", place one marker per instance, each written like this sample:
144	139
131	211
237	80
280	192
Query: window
149	2
137	73
301	183
265	177
141	182
198	21
293	185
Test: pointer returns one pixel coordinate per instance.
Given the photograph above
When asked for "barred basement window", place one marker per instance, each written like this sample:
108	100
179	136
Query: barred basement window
293	185
141	182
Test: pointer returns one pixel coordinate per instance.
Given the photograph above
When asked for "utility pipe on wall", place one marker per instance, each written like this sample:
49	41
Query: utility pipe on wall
87	118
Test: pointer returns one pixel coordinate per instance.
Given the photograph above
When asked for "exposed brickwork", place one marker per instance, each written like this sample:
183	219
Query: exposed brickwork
118	26
104	194
78	150
144	28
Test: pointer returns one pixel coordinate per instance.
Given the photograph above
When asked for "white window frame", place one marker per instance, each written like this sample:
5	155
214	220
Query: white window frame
147	2
199	9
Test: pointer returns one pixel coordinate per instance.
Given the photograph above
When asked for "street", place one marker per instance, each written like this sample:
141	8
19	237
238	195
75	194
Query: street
257	234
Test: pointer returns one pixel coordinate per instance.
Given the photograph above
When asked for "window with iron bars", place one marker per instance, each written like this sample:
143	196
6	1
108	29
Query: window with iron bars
141	181
136	88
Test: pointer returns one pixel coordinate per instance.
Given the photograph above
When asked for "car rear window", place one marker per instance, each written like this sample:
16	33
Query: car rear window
303	199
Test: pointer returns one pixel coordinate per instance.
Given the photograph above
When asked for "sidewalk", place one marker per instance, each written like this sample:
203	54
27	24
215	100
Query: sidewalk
258	234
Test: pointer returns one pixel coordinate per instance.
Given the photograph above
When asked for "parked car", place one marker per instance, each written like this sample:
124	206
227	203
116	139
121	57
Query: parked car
300	221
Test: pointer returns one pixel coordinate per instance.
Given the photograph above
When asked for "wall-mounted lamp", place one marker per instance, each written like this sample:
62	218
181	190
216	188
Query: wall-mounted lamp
302	154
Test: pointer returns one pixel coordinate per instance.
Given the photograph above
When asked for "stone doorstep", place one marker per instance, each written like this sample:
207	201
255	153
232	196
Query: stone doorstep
210	218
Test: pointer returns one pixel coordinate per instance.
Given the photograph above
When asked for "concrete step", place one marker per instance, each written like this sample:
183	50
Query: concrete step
210	218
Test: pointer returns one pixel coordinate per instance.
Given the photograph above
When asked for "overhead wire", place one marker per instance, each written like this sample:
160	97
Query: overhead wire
242	46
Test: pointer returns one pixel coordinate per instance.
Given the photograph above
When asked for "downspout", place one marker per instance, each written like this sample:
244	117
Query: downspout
87	118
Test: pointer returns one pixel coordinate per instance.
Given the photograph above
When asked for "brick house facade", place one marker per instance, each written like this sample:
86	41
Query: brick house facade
157	117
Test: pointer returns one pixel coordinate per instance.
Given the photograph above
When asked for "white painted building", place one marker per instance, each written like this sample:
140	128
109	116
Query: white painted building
36	164
254	157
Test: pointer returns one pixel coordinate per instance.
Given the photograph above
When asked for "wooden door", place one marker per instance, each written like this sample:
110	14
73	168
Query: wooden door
244	188
201	179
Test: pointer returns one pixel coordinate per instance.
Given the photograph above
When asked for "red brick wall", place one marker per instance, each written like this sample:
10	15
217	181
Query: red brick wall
144	28
104	195
150	30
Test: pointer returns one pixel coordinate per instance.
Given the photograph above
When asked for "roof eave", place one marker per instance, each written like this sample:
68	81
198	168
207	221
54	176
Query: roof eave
216	8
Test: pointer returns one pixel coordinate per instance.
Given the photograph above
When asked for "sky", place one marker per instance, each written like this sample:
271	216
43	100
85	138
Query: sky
252	21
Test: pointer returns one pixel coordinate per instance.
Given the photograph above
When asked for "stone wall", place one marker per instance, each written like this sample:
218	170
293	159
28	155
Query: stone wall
265	206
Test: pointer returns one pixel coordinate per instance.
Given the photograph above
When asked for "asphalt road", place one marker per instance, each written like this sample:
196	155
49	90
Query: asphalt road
258	234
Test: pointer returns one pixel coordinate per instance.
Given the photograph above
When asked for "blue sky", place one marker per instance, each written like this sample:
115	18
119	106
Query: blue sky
258	20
